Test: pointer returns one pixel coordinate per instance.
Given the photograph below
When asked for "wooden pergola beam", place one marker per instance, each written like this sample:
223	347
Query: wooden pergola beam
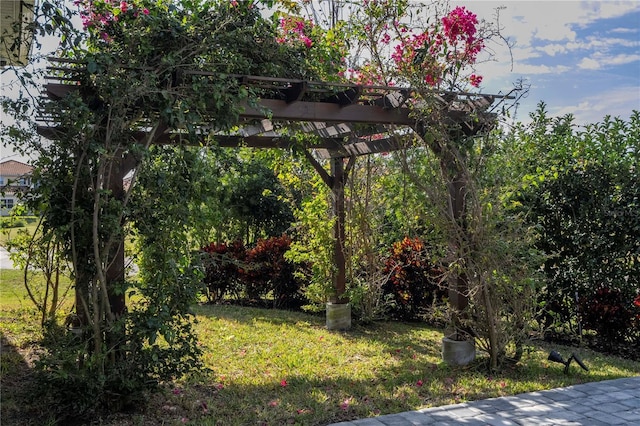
281	110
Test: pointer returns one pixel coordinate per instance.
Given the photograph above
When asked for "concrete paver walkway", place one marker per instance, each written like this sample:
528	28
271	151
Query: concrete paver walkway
611	402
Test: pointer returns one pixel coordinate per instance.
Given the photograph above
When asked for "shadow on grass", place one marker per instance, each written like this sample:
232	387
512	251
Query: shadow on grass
15	377
317	401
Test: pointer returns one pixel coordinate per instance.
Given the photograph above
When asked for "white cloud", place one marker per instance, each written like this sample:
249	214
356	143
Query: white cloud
623	59
618	102
540	21
540	69
589	64
624	30
552	49
599	61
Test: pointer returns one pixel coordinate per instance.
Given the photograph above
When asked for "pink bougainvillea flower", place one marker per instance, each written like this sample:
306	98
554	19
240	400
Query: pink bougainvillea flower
177	391
419	383
123	6
344	406
283	383
475	80
145	11
636	301
273	403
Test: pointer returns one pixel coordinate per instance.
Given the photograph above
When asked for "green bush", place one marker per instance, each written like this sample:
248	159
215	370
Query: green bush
11	222
589	223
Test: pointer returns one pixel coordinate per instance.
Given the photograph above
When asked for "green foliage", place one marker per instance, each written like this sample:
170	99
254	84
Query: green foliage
170	269
584	202
45	272
313	244
254	202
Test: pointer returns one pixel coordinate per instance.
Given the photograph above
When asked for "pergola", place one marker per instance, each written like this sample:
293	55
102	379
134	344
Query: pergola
346	121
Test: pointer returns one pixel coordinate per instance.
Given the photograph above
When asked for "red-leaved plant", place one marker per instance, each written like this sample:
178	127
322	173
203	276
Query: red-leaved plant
414	280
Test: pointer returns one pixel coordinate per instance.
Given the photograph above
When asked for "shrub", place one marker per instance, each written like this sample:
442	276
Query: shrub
608	312
256	273
11	222
222	269
589	224
414	280
269	271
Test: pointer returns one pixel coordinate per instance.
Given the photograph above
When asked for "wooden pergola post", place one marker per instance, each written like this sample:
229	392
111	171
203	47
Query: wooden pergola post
457	197
115	272
339	178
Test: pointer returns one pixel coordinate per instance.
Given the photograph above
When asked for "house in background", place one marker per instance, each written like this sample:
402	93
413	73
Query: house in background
15	177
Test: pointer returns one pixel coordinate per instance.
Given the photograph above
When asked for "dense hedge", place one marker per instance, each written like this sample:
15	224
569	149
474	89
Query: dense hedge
589	221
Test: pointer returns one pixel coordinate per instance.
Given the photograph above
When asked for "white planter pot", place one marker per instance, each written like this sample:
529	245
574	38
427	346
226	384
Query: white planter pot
458	352
338	316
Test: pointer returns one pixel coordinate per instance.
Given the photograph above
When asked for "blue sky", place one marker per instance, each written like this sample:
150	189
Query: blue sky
580	57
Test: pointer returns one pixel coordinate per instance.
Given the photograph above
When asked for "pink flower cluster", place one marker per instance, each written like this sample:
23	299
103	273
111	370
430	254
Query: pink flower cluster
475	80
97	15
460	22
292	30
432	52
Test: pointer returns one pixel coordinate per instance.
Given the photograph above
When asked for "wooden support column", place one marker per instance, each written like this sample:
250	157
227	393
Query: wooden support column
457	197
336	180
115	273
337	190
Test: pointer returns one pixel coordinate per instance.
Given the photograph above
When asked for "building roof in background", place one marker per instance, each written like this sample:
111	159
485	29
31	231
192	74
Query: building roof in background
14	168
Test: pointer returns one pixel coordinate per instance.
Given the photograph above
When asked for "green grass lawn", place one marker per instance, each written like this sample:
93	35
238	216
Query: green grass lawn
30	223
278	367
